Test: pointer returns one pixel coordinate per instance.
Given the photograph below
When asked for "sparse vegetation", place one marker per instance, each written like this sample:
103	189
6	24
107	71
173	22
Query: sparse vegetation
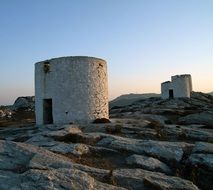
113	129
101	120
94	160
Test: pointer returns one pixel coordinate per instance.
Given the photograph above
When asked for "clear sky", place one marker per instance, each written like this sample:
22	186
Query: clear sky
143	41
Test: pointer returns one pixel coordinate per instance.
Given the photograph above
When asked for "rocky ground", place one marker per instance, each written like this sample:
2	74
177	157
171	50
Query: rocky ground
20	114
152	144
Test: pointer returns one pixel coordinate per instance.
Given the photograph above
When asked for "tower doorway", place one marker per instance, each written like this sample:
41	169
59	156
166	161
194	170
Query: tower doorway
171	93
47	111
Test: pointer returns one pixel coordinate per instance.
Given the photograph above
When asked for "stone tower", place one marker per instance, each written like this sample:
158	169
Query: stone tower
71	90
179	87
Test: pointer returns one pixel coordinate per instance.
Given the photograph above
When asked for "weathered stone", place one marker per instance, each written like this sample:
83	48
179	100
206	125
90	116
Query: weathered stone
64	132
156	138
10	180
148	163
20	157
41	141
148	134
165	151
24	102
201	169
191	133
67	129
62	179
205	118
76	149
201	159
152	117
51	179
17	133
141	179
201	147
205	135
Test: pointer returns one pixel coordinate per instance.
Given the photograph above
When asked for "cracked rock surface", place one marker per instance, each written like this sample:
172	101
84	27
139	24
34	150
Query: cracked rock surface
151	144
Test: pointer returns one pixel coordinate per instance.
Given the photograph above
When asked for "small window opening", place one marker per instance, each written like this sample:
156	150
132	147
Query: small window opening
46	67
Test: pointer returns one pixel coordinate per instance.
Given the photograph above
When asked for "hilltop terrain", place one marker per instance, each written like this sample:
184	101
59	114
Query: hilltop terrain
150	144
211	93
128	99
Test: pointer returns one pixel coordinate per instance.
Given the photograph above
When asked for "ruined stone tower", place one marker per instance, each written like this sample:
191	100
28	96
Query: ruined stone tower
179	87
71	90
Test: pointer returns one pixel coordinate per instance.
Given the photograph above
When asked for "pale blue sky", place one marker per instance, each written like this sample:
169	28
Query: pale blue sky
143	41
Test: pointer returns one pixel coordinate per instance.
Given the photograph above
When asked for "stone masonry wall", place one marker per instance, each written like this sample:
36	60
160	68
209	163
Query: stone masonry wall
78	88
180	84
165	89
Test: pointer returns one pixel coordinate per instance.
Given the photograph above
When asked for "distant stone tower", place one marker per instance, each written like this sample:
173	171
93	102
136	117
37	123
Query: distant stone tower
71	90
179	87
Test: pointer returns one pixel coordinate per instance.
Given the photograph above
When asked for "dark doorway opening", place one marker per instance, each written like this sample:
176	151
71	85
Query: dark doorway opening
171	93
47	111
